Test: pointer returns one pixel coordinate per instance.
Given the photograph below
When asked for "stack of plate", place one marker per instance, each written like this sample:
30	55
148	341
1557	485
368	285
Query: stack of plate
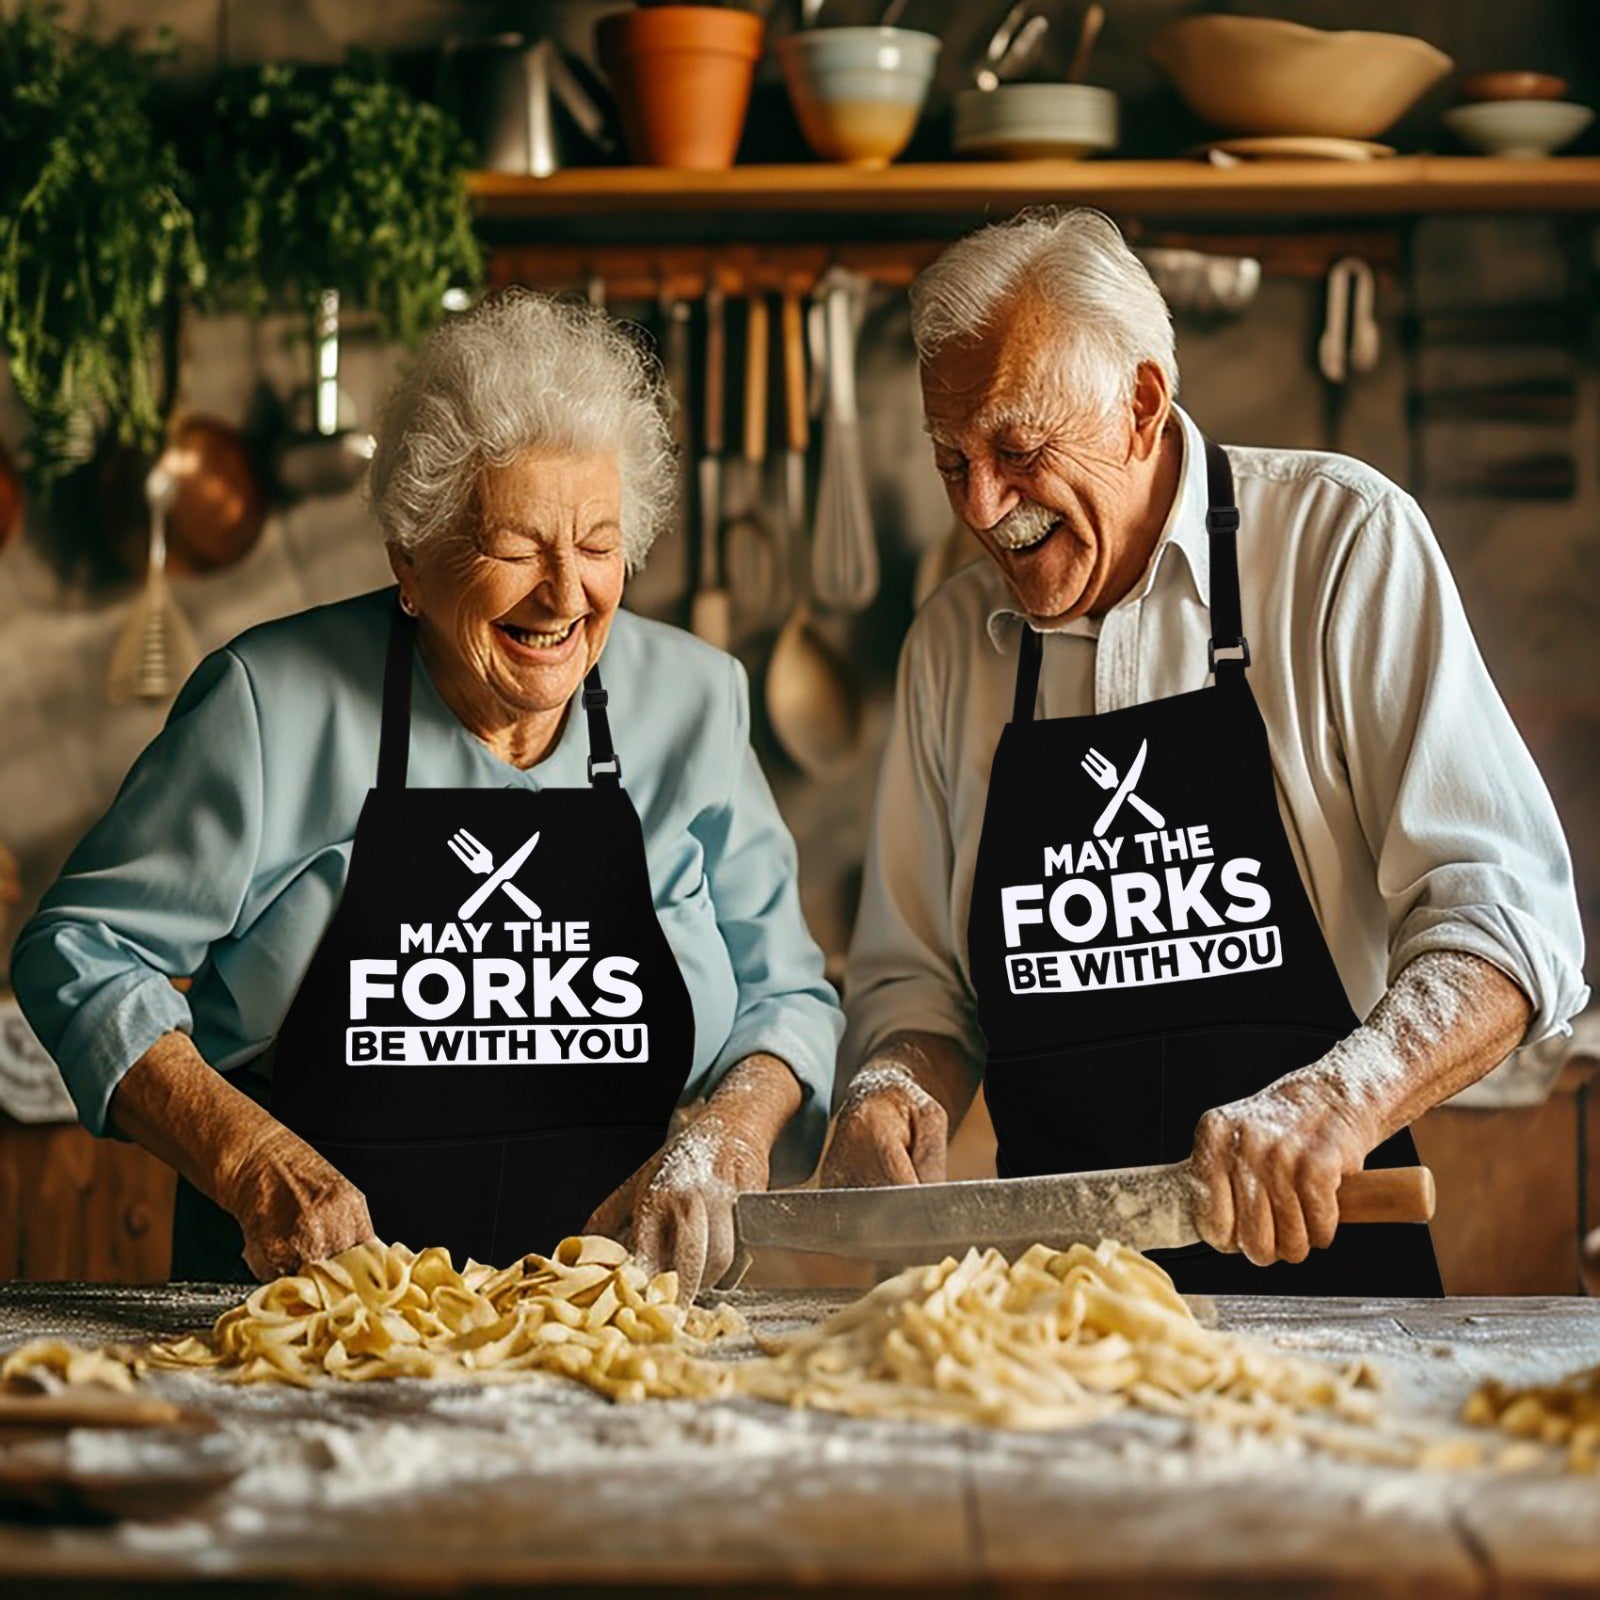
1516	114
1028	121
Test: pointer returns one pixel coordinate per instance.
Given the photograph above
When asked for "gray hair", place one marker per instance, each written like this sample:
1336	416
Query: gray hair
522	371
1076	261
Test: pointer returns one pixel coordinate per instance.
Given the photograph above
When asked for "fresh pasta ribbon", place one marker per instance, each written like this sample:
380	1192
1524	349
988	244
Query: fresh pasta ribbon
1565	1414
587	1312
48	1364
1054	1339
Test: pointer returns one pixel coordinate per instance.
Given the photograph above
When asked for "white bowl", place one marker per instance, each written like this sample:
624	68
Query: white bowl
858	92
1263	75
1524	129
1027	120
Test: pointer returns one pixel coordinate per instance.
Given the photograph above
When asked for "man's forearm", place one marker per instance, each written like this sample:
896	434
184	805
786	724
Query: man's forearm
181	1109
938	1064
1447	1019
761	1093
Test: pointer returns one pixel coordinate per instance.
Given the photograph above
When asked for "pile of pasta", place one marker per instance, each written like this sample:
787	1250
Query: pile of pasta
54	1364
382	1311
1054	1339
1565	1414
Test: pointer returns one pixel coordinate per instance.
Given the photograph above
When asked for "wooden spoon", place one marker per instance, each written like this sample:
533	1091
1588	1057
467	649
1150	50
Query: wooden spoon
709	612
812	703
1093	20
746	543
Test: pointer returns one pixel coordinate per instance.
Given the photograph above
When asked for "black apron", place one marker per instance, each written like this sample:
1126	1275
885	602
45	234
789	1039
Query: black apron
1142	947
493	1032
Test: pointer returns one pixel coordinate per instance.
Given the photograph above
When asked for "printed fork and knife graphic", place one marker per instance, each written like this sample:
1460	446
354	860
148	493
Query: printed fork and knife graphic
1105	775
475	857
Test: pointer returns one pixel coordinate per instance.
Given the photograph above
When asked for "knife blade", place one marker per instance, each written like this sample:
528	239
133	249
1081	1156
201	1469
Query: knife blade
1131	777
1149	1208
495	879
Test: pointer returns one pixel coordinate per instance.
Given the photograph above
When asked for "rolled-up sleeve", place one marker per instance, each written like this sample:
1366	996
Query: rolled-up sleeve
141	899
786	1006
904	973
1468	848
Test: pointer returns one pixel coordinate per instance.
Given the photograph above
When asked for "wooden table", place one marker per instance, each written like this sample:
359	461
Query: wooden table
406	1488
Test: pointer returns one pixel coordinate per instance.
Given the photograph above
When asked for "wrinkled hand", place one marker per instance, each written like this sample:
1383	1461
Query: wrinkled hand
293	1206
1270	1166
889	1130
676	1211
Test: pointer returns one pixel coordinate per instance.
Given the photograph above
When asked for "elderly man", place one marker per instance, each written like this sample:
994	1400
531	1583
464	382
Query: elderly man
1149	911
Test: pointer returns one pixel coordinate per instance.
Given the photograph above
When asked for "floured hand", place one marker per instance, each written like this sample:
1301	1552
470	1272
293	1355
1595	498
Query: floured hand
1271	1164
889	1130
676	1211
1270	1167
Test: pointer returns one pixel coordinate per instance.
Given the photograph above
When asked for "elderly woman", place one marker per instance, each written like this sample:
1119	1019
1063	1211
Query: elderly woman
465	926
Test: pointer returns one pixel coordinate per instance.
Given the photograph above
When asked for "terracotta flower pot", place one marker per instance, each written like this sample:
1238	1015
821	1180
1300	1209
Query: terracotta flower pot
681	75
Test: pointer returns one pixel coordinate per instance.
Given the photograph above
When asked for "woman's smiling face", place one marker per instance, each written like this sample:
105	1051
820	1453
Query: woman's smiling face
516	606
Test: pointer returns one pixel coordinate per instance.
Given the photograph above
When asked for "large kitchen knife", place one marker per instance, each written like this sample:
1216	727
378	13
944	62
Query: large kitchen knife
1150	1208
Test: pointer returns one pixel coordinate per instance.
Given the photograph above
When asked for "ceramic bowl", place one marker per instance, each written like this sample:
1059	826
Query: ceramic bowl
1259	75
858	91
1024	121
1522	129
1512	86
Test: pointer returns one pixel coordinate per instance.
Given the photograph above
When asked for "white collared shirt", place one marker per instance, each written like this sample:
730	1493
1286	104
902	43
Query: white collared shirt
1416	816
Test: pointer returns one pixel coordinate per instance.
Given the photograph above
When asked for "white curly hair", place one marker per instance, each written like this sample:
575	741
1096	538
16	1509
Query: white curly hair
522	371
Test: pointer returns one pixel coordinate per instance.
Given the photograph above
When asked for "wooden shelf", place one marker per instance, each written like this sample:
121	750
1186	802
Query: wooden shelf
1398	186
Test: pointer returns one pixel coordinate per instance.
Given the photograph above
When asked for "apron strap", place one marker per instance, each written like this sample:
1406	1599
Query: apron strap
605	766
1227	618
1222	525
1028	662
394	736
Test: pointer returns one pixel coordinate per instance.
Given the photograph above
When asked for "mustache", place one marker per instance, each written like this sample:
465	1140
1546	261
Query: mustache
1023	525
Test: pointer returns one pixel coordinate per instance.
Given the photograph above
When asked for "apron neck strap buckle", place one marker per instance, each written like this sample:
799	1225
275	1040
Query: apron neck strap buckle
1238	642
605	770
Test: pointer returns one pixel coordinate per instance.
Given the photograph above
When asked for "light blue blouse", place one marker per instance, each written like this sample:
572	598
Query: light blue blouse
224	853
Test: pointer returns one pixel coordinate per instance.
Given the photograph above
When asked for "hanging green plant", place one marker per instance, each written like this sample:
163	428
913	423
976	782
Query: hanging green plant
94	233
316	180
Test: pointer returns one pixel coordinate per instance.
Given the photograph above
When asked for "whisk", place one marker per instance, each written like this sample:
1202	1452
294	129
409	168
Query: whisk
845	550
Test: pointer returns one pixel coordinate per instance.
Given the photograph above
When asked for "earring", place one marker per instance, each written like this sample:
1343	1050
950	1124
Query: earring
408	605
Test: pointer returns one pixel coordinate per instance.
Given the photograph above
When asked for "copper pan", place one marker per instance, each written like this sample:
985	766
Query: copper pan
219	508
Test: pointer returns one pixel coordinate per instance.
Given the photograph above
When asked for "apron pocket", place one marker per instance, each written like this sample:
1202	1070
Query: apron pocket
426	1192
1132	1101
1203	1068
1076	1110
496	1199
552	1183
